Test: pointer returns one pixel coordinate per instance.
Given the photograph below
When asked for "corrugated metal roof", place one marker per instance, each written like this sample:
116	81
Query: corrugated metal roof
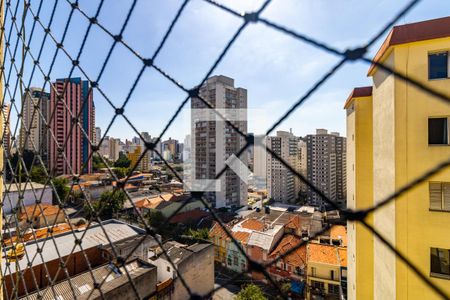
64	243
84	283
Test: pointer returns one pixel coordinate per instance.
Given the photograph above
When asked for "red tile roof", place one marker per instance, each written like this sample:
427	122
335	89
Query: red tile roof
414	32
320	253
193	215
241	236
297	257
343	256
358	92
218	231
36	210
253	224
339	232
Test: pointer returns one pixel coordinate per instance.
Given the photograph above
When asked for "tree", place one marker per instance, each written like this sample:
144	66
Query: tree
302	198
156	219
76	196
250	292
121	172
18	166
199	234
61	188
37	174
122	161
97	163
109	204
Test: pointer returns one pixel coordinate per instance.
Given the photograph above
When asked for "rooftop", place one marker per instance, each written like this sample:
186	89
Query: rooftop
325	254
413	32
36	210
189	216
339	232
83	284
358	92
65	242
343	256
178	252
14	187
241	236
266	239
288	242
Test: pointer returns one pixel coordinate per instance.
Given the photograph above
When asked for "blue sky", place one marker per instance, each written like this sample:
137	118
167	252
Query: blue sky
274	68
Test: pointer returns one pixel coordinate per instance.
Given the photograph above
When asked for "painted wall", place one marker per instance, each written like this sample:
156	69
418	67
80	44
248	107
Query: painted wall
360	196
401	154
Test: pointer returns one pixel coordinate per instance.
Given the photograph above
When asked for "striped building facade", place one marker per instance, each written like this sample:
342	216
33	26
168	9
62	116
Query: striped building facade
70	147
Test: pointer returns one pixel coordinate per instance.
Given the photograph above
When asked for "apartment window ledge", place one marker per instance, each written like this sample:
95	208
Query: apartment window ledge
441	276
438	79
438	145
439	210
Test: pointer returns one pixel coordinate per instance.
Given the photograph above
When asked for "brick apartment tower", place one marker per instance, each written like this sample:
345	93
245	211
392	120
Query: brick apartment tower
77	95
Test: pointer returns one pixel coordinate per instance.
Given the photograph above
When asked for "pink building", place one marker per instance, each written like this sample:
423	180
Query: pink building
69	147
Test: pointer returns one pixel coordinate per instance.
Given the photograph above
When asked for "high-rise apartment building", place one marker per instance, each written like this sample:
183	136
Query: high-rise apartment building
35	115
103	149
281	182
114	149
134	154
98	135
397	133
214	141
70	151
326	166
302	167
170	149
6	130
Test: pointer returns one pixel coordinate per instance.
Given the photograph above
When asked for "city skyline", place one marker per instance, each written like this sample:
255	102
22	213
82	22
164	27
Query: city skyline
273	80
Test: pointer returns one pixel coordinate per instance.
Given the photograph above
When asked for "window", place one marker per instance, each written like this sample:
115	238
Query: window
438	65
317	285
333	289
440	266
235	261
437	131
439	196
313	271
332	275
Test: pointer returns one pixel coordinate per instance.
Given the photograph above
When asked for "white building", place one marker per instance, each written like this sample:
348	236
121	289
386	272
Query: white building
31	192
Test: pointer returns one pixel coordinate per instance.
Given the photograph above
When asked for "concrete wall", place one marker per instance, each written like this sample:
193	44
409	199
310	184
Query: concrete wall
29	198
198	273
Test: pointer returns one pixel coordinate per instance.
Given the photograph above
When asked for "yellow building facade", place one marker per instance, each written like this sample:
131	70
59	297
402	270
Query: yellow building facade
359	191
410	136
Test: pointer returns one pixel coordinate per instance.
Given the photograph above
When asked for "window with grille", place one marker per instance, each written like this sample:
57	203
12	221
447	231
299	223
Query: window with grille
439	196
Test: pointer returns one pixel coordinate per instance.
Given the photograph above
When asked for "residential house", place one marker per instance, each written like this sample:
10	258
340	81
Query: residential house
324	271
261	243
291	267
236	260
221	241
